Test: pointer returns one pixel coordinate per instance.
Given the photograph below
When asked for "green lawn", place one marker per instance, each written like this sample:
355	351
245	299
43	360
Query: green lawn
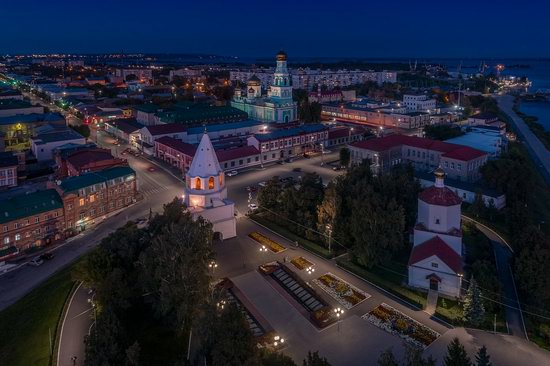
306	244
451	311
390	278
26	325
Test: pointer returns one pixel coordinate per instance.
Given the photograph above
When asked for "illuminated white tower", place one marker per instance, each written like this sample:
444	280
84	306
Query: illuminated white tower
206	193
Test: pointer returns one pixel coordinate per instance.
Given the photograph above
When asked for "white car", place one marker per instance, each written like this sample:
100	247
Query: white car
36	261
253	206
232	173
262	184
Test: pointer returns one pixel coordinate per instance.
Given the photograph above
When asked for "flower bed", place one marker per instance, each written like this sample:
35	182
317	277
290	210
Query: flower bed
323	317
343	292
264	240
301	263
395	322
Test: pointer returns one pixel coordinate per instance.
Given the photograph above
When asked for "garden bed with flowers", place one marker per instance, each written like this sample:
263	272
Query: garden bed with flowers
301	263
268	243
395	322
347	295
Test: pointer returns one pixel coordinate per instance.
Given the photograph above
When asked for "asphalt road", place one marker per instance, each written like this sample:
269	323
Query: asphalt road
537	150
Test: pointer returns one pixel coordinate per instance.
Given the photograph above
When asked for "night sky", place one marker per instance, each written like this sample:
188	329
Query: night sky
246	28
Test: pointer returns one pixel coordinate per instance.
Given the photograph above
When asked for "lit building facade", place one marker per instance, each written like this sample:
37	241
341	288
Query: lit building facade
278	105
206	193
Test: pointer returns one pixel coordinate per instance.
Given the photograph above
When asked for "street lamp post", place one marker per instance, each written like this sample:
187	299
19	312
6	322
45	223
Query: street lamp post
339	312
213	265
329	229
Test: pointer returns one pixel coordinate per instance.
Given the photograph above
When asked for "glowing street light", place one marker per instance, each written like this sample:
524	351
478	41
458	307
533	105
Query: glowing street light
213	265
277	340
338	312
310	270
263	249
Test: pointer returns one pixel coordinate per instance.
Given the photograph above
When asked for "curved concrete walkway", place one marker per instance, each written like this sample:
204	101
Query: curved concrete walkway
503	254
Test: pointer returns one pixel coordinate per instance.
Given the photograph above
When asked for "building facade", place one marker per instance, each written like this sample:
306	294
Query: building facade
30	220
289	142
8	170
206	193
436	260
419	103
92	197
461	163
278	106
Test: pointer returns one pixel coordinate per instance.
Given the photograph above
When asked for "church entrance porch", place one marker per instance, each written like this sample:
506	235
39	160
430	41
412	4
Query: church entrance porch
434	281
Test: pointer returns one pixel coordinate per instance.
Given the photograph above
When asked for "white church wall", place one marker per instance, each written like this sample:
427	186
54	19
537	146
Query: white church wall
450	282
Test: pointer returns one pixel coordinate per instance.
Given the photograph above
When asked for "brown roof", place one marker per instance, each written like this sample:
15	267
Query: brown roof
81	158
239	152
178	145
166	129
436	246
440	196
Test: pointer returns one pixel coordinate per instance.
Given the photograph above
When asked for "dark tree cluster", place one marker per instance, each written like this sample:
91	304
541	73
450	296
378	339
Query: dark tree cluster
369	213
442	132
456	356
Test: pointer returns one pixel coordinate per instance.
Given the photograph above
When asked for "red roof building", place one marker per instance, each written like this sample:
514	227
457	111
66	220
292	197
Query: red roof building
436	247
89	160
459	162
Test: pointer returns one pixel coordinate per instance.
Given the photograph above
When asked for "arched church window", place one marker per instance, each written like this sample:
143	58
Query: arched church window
197	183
211	183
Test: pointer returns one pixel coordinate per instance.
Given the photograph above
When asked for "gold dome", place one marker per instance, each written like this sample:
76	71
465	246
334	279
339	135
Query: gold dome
254	81
281	56
439	173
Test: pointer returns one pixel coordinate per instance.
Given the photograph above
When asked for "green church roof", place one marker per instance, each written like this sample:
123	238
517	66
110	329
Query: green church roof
25	205
85	180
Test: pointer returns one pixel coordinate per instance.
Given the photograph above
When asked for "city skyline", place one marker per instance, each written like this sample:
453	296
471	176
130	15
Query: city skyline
470	30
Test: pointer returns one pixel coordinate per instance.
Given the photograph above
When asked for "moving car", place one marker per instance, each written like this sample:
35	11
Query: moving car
36	261
46	256
232	173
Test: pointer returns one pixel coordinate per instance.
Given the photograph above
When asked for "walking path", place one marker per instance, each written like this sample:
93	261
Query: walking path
431	302
503	253
536	148
76	325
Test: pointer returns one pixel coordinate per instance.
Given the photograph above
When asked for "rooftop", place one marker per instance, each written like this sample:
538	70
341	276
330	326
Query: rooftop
165	129
436	246
25	205
59	135
235	153
449	150
81	158
484	116
31	118
178	145
127	125
289	132
439	196
223	126
14	104
7	159
85	180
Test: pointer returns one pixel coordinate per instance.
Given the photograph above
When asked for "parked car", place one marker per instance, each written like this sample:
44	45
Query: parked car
297	169
251	188
336	168
289	160
262	184
232	173
36	261
46	256
253	206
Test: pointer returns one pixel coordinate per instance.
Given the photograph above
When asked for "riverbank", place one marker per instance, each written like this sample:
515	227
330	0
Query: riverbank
537	118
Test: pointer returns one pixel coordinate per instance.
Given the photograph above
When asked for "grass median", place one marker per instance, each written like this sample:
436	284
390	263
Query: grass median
390	279
29	327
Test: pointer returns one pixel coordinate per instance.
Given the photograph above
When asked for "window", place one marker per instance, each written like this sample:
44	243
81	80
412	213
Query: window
232	163
437	221
81	202
257	158
36	220
446	164
82	215
211	183
16	225
70	206
273	156
435	265
6	240
197	183
92	198
452	165
26	221
459	166
241	162
92	212
5	228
